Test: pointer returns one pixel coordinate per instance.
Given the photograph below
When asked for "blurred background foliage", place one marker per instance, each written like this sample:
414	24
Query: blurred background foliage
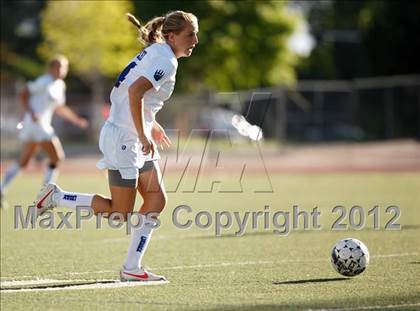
94	35
243	44
362	39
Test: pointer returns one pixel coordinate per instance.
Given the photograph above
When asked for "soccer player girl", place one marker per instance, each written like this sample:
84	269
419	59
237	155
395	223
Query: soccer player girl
129	137
40	99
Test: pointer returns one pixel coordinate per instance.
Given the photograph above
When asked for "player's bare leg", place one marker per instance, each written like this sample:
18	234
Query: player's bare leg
55	152
14	169
123	199
152	190
28	151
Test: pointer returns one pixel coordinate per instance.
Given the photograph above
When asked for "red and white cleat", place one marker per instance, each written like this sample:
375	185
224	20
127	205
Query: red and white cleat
45	200
140	275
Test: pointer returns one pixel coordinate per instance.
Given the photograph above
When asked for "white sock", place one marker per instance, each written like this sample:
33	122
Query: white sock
140	238
51	175
73	199
11	173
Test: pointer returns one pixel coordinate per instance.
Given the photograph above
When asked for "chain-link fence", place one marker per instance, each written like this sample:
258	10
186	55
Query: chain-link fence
361	109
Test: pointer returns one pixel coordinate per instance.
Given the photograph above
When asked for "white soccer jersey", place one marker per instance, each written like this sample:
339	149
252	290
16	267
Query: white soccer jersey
158	64
46	93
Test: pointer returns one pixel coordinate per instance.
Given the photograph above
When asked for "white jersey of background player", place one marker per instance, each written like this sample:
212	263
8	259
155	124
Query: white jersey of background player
46	93
127	138
40	99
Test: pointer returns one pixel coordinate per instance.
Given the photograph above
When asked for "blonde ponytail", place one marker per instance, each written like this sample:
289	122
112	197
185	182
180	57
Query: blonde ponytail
158	29
152	32
134	20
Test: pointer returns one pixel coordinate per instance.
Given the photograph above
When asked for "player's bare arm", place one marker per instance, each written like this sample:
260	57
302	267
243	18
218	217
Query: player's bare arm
159	136
136	92
67	114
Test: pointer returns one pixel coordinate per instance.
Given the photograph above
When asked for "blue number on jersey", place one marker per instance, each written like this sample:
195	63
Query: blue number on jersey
124	73
127	69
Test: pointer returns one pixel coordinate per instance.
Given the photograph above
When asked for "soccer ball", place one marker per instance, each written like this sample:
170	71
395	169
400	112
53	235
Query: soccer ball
350	257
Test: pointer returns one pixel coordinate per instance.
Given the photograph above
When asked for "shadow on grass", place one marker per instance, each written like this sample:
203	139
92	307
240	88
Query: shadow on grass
309	281
57	285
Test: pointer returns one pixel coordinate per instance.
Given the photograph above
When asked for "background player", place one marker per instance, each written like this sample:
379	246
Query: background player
40	99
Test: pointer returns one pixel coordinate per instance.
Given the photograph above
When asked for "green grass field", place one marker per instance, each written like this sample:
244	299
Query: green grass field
259	270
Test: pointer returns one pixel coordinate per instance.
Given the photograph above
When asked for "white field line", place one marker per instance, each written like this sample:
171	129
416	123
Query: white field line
36	282
23	277
198	266
407	305
66	285
395	255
